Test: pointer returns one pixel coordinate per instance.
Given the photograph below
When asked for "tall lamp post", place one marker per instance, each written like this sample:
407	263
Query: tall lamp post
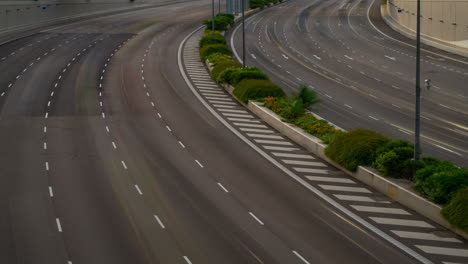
243	33
219	6
418	83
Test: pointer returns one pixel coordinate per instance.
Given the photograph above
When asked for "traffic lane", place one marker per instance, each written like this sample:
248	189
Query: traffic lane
168	176
436	150
260	191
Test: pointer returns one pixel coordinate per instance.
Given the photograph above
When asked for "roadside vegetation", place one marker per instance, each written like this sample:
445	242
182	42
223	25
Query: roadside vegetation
438	181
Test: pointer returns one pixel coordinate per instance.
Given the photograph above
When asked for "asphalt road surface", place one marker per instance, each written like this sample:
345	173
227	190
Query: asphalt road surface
363	71
107	157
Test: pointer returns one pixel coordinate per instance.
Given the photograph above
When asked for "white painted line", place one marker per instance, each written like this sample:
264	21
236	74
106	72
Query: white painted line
257	130
2	94
344	188
303	163
354	198
401	222
187	260
279	148
253	56
51	191
348	57
46	115
264	136
124	165
348	106
317	57
103	115
237	115
300	257
47	166
243	120
328	96
233	111
45	129
159	221
114	145
396	106
219	99
59	225
256	218
249	125
373	96
284	56
225	106
199	164
391	58
424	236
45	145
272	142
383	210
181	144
290	155
160	116
375	118
168	128
222	187
456	252
107	129
449	150
138	189
329	179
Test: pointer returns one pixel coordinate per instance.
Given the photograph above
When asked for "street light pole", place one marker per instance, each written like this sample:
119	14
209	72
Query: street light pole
212	18
219	6
418	83
243	34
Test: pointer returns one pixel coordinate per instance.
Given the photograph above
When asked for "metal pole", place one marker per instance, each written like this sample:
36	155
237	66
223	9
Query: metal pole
243	34
418	83
212	18
219	6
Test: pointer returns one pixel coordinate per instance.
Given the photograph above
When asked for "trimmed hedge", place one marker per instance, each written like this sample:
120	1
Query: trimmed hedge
456	212
214	48
210	40
247	73
222	66
440	187
354	148
394	159
221	22
250	89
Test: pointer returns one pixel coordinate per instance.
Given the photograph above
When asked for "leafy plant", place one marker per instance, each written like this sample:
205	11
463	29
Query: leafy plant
207	50
216	58
440	187
394	159
251	89
210	40
247	73
354	148
221	67
456	211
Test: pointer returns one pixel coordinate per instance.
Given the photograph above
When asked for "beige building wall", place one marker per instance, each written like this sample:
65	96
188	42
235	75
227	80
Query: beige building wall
446	20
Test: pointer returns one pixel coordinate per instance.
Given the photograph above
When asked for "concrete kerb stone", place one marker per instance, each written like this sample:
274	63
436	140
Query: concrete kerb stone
363	174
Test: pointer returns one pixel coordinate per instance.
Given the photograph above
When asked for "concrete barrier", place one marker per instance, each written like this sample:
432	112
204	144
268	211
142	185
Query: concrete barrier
393	190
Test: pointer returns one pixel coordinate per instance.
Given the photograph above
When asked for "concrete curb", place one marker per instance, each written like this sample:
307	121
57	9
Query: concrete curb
363	174
440	44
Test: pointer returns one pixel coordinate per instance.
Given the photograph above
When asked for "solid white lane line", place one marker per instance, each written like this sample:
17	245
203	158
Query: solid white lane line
329	179
401	222
199	164
289	155
51	192
344	188
279	148
187	260
181	144
256	218
222	187
264	136
123	164
383	210
456	252
354	198
59	225
300	257
138	189
272	142
159	221
424	236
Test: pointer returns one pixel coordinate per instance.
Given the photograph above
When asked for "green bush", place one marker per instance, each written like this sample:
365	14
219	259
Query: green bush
231	16
354	148
257	4
307	96
250	89
220	23
247	73
222	66
216	58
210	40
207	50
226	75
431	167
314	126
456	212
394	159
442	186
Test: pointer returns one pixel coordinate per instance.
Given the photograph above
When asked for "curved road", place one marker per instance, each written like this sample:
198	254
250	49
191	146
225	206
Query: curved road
363	71
107	157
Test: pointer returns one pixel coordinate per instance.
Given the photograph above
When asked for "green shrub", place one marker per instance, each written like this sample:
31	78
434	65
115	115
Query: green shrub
251	89
328	138
257	4
210	40
231	16
222	66
247	73
307	96
226	75
394	159
220	23
442	186
216	58
456	212
354	148
314	126
207	50
432	166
